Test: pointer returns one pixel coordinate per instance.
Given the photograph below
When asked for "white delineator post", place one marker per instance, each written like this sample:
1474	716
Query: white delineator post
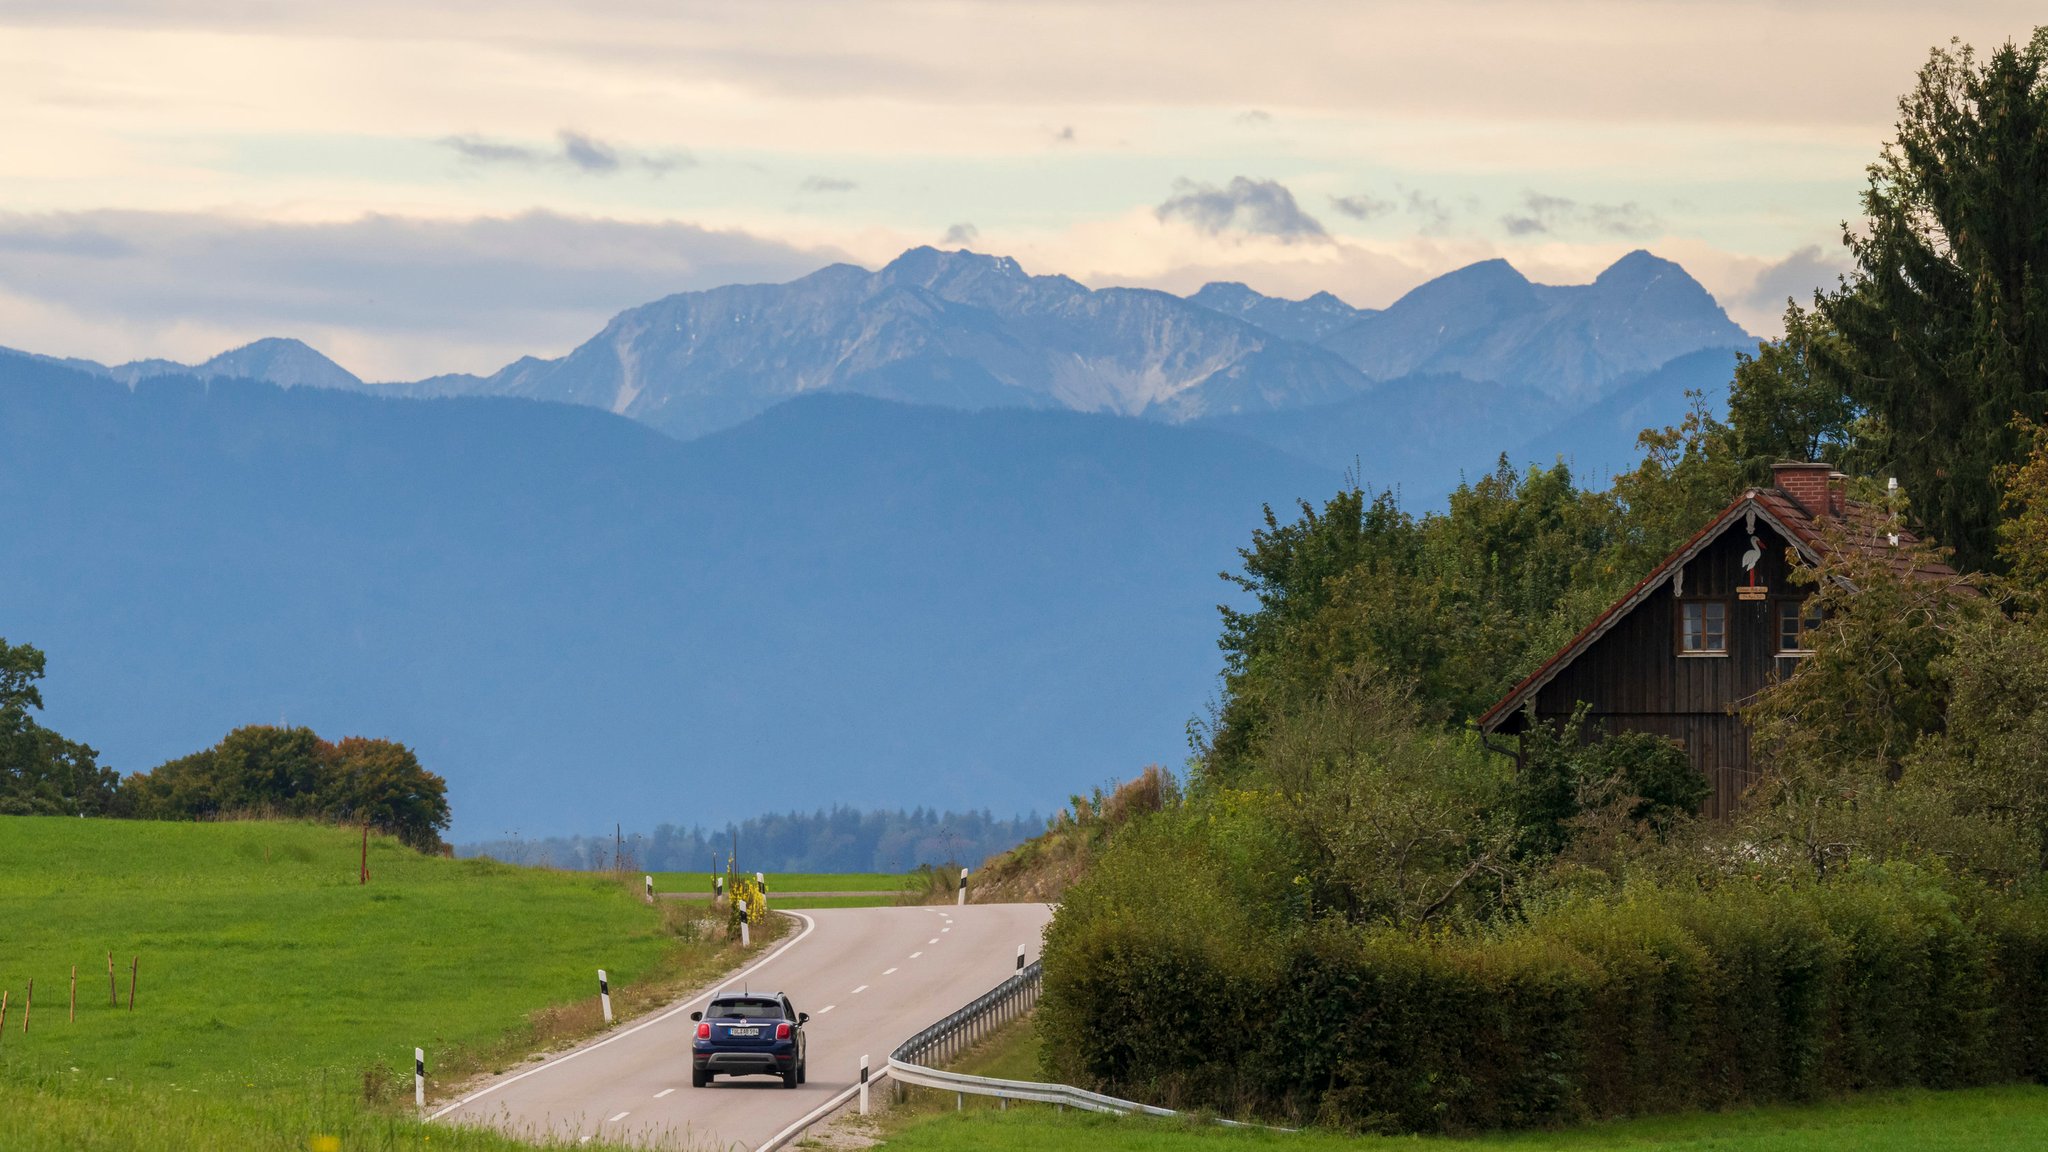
863	1084
604	996
419	1078
746	936
1020	957
963	888
650	889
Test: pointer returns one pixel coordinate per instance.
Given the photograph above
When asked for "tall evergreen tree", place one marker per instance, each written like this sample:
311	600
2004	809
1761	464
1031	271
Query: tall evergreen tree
1944	332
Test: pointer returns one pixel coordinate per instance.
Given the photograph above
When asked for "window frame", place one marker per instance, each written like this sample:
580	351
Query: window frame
1727	619
1801	603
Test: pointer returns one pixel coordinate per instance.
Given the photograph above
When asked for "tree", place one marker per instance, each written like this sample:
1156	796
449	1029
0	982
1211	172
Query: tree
1780	407
264	770
380	783
255	769
41	772
1944	331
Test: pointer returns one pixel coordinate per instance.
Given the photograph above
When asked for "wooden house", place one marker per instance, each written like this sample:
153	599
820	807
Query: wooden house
1715	623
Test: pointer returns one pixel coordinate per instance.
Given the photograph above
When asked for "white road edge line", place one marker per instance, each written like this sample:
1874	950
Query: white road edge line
663	1092
749	970
818	1113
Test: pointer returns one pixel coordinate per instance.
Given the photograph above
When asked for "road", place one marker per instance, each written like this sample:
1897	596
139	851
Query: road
869	977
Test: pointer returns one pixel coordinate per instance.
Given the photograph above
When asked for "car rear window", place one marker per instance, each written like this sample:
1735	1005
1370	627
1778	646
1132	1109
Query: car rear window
746	1009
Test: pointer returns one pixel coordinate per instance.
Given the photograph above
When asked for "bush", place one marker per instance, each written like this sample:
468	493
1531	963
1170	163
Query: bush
1655	1000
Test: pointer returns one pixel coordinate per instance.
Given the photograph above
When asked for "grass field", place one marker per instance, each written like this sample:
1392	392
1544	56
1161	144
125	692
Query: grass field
276	993
1988	1118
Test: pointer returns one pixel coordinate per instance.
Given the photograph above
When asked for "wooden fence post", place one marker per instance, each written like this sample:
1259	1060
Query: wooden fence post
74	995
3	1010
113	997
134	967
28	1005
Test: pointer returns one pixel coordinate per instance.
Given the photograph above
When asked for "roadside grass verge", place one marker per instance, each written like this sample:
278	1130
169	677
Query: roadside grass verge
275	991
1980	1118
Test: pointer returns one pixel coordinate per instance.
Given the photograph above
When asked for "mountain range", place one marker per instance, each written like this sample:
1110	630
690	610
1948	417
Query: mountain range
1480	358
942	533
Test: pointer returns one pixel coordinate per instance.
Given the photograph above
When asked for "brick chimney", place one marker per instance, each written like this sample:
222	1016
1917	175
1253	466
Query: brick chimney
1814	487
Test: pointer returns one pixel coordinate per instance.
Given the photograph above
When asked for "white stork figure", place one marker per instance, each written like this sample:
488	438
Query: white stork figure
1749	558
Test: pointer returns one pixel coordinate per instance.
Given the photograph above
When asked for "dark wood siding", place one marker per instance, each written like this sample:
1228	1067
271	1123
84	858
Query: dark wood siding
1634	677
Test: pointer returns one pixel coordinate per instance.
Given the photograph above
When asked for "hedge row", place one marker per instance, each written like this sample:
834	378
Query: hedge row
1657	1002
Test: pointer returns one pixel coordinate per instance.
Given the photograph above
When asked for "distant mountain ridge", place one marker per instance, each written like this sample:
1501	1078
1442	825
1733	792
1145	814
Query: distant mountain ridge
1468	365
961	329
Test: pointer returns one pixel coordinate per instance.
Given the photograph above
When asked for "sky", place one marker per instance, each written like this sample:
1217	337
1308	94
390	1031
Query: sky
418	187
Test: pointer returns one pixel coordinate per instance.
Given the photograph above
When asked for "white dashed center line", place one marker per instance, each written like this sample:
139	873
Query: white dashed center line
933	940
947	928
859	990
913	956
886	971
827	1008
619	1117
663	1092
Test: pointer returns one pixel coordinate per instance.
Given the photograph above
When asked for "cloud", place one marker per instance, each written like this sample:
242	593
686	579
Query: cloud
391	297
1254	207
1543	215
1796	277
826	184
1434	214
960	235
1065	135
1361	206
576	151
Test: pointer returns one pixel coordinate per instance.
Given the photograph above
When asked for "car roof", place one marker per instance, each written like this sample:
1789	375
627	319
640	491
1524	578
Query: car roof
748	996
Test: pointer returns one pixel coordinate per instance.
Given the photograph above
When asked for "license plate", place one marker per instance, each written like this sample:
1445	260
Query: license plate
743	1031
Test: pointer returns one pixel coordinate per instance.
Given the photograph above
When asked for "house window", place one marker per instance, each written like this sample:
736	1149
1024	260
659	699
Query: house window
1796	621
1703	628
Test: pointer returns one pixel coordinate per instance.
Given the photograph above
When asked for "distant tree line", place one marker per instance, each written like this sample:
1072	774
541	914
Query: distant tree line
257	770
839	840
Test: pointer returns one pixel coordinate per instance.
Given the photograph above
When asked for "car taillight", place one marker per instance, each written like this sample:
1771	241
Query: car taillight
703	1031
782	1031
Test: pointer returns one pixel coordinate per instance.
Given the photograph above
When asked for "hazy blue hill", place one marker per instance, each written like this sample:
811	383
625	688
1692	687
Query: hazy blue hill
1571	343
1600	440
284	362
579	620
1420	434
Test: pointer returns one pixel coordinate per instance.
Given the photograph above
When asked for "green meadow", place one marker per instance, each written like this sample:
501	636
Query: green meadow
278	998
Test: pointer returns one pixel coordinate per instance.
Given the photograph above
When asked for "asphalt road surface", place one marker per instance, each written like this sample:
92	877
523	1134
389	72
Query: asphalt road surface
870	978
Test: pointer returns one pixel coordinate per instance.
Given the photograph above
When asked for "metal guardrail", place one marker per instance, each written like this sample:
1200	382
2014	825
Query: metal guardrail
947	1039
960	1031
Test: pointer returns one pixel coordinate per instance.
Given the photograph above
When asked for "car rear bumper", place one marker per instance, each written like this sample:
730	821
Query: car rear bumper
743	1063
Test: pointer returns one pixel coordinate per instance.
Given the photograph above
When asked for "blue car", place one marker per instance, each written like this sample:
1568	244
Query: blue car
748	1034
